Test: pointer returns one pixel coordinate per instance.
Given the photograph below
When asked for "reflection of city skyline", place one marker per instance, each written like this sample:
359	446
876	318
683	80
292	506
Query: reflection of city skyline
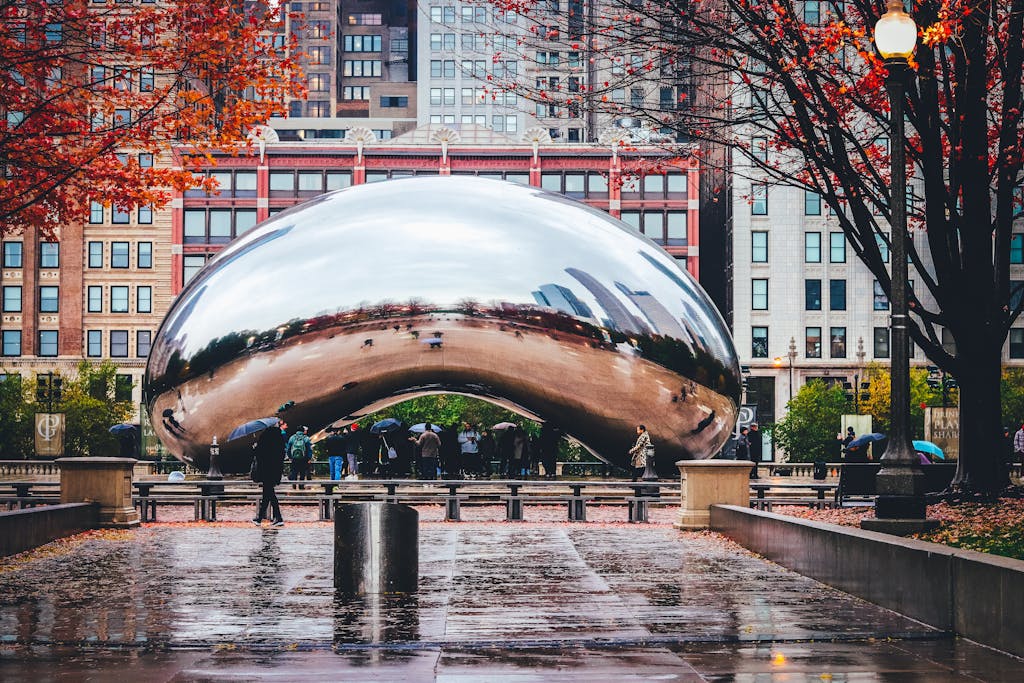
619	318
563	299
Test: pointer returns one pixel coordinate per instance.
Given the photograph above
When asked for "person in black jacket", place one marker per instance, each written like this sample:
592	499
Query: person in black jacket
269	467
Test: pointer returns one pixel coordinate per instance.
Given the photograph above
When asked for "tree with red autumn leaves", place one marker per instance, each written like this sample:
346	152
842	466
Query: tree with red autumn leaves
84	81
795	90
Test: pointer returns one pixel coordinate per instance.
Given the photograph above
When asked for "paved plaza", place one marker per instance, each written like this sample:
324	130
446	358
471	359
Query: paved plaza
497	602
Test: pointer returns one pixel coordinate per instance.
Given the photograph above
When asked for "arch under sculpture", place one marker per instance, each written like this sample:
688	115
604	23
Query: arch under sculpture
368	296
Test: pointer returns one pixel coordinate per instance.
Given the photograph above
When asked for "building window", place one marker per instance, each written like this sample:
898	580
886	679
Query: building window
1017	248
95	212
190	266
631	218
880	300
12	342
94	343
119	299
837	295
883	247
143	342
1016	342
759	342
759	294
95	254
882	342
812	247
362	43
49	255
361	68
145	255
245	220
676	229
12	254
338	180
759	148
119	215
245	184
759	199
392	101
364	19
119	254
812	203
49	299
836	247
654	186
838	337
12	299
812	342
119	343
759	247
144	299
812	295
48	343
95	299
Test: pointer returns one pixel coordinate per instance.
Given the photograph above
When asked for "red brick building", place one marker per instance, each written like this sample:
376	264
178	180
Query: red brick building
653	191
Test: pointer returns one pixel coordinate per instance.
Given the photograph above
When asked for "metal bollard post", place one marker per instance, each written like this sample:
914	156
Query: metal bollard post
376	548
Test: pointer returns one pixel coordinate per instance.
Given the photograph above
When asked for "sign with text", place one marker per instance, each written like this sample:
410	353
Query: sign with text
942	428
49	434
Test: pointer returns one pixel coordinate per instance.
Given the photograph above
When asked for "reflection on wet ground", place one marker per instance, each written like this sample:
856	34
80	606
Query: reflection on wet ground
497	602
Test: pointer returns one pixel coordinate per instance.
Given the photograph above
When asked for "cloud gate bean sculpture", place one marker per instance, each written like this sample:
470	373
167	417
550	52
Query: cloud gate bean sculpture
368	296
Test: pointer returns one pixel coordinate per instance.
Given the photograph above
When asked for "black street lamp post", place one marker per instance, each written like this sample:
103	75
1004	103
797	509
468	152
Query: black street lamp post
900	507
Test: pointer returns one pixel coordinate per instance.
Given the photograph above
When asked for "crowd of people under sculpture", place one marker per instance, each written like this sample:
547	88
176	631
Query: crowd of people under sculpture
455	452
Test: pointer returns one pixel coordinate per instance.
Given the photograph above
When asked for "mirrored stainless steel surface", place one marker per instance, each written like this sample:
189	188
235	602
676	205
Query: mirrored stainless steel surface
376	548
362	298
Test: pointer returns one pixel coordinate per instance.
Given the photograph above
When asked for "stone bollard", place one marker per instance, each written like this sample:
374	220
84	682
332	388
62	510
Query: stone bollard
107	481
704	483
376	548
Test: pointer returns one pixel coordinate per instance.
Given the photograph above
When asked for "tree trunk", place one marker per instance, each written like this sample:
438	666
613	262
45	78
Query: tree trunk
980	468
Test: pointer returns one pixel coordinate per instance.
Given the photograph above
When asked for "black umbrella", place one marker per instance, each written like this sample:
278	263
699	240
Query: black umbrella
386	426
118	430
252	427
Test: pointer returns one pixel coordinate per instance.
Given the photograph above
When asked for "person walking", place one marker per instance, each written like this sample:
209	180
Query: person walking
269	467
1018	444
469	446
547	444
520	452
300	452
353	446
743	444
487	451
756	449
430	447
638	453
505	452
335	445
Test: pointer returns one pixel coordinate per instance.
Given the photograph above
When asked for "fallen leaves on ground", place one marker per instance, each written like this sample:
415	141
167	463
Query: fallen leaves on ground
996	528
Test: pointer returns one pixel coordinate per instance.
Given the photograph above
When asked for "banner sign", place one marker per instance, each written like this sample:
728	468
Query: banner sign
49	434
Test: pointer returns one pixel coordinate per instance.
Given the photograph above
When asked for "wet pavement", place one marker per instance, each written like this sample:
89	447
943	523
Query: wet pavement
497	602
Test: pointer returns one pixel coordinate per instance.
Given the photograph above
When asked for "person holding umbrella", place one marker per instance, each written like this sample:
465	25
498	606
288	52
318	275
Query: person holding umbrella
429	444
269	467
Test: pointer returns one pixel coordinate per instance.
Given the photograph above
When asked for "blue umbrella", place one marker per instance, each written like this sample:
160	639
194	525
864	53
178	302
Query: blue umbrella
929	448
386	426
252	427
118	430
422	427
865	440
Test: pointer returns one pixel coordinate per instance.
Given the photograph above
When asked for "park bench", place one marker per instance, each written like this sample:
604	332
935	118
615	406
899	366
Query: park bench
205	496
18	495
761	501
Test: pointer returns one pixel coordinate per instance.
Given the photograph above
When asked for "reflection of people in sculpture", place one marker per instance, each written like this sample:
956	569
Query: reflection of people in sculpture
638	453
269	467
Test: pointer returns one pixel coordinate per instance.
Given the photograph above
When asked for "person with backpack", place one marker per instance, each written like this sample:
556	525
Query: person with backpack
300	452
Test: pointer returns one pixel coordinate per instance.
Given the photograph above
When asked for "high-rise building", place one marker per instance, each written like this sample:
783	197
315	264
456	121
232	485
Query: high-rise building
360	64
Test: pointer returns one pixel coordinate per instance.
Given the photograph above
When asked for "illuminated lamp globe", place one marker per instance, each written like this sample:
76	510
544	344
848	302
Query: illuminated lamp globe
896	33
